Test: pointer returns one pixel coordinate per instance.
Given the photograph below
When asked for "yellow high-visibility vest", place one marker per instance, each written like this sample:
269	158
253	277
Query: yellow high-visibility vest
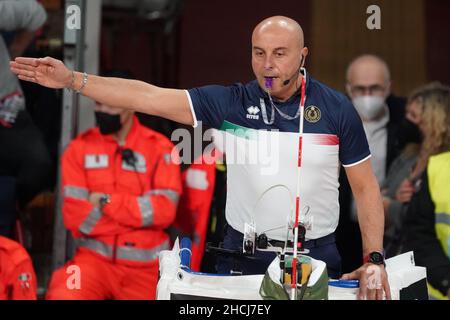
439	187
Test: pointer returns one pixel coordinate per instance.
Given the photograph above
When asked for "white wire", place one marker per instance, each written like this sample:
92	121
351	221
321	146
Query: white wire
263	194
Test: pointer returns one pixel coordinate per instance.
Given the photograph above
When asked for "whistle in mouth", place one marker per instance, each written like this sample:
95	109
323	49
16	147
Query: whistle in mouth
268	82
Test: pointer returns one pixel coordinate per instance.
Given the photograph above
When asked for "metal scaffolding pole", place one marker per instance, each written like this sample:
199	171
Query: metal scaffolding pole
74	46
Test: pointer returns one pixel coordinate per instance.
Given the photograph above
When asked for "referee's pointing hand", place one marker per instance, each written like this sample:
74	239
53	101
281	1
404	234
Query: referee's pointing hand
47	72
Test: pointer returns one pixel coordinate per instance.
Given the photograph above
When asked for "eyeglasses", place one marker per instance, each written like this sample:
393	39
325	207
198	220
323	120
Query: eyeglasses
375	90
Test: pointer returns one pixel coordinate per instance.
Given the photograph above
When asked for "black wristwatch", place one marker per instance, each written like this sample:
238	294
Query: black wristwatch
104	200
375	258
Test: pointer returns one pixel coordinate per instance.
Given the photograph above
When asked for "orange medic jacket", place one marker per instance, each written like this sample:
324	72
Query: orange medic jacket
17	276
195	203
129	229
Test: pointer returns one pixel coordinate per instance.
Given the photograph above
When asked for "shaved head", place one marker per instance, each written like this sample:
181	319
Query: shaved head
280	24
368	64
278	53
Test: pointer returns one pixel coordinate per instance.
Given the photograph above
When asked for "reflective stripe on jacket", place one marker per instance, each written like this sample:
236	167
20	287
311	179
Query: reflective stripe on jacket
143	193
439	188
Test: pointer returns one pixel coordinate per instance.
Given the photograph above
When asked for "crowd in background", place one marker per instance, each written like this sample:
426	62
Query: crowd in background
156	200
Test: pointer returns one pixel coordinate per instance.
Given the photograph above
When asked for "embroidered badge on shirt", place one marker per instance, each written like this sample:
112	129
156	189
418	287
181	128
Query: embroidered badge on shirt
96	161
25	280
196	179
313	114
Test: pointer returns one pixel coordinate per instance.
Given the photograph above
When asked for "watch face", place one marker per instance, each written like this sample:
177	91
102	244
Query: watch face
104	200
376	258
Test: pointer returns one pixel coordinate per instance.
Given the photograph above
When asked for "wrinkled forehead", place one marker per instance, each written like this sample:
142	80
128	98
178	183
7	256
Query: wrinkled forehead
270	40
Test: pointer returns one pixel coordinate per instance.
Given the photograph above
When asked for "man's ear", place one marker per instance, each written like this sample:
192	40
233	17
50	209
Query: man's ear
304	54
388	89
348	88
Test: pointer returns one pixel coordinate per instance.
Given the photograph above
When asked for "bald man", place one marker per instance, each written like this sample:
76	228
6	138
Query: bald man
254	115
368	84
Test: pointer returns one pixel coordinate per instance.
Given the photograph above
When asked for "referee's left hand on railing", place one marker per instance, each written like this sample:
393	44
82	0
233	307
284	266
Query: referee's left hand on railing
373	282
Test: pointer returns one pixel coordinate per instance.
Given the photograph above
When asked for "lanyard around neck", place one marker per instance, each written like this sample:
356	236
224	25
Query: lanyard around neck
275	108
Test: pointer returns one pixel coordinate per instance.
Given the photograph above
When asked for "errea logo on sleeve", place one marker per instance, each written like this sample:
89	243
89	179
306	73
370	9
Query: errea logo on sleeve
252	113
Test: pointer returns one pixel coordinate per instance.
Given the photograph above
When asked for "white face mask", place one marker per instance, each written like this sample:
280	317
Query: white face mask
368	107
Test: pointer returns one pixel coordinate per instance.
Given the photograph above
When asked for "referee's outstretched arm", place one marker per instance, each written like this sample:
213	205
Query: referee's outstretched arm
137	95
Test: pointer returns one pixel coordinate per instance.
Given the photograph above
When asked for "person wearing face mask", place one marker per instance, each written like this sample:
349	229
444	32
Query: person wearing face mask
369	87
383	117
425	107
121	191
269	109
426	225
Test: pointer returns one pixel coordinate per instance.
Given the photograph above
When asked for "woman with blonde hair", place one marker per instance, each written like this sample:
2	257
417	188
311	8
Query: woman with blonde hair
428	107
427	221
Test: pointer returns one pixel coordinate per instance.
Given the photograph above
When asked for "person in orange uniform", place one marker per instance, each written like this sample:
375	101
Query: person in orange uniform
17	276
121	189
195	202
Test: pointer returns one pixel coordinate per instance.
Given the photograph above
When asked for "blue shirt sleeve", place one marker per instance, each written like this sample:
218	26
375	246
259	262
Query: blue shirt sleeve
212	103
353	141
